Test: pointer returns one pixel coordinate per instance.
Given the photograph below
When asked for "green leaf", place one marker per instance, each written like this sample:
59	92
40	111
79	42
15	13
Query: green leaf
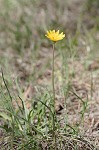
5	116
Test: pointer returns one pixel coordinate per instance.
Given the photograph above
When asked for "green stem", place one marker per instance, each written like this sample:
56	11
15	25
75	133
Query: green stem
53	77
53	86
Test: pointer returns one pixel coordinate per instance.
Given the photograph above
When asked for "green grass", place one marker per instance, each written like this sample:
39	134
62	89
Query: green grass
26	59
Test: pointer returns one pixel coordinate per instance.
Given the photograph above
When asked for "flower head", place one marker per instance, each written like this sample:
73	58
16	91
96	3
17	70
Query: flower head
55	35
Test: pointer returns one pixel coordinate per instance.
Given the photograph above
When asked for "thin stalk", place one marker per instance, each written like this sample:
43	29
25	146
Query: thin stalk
53	86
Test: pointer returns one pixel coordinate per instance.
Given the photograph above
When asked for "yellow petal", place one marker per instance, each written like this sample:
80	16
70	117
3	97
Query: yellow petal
54	35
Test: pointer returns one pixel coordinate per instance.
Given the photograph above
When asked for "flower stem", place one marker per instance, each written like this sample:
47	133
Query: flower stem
53	86
53	77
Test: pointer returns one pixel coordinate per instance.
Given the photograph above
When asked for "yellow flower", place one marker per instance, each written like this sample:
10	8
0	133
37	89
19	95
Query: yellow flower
55	36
